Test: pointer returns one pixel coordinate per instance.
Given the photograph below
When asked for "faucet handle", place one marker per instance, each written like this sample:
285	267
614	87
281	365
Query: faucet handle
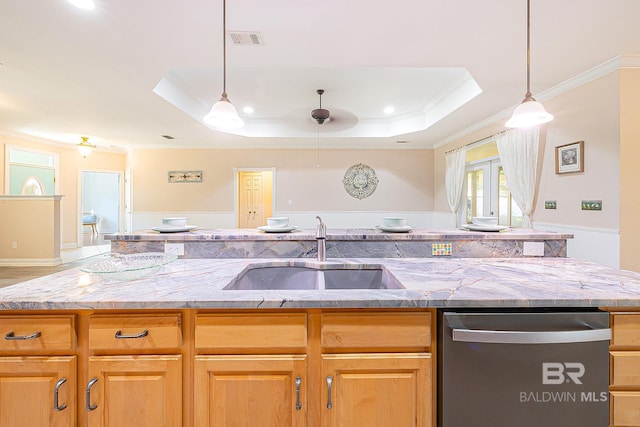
321	232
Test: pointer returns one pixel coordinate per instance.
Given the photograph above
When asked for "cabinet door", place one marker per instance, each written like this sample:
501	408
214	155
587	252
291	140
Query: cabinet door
250	391
38	391
140	391
365	390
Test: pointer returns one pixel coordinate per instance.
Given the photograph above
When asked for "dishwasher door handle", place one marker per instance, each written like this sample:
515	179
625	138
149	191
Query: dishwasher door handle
531	337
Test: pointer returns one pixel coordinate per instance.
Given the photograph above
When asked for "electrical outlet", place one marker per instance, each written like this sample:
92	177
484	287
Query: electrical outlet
174	248
533	249
14	245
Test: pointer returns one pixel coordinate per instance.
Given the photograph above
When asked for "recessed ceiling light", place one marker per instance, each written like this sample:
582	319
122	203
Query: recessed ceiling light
83	4
248	110
389	109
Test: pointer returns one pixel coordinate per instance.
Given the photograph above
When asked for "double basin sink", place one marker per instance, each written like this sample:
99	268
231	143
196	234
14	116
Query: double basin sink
321	276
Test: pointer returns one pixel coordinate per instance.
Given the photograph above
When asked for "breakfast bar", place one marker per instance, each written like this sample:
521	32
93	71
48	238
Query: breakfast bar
347	243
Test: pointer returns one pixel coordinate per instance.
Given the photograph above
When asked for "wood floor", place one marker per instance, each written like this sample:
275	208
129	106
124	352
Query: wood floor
94	247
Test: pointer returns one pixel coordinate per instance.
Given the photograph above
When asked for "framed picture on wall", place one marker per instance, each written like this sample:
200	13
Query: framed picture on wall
570	158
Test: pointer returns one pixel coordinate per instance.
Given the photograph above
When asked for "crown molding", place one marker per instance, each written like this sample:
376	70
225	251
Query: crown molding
613	64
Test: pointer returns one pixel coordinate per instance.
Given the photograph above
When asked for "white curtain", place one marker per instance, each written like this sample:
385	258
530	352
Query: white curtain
518	149
454	179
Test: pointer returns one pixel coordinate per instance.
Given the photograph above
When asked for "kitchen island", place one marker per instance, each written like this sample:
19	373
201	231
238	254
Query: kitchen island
304	358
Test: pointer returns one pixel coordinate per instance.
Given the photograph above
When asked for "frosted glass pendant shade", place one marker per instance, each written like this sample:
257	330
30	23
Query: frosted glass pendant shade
529	113
223	115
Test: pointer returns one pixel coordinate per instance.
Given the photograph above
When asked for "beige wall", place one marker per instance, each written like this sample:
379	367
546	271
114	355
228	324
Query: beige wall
405	179
29	230
629	169
71	163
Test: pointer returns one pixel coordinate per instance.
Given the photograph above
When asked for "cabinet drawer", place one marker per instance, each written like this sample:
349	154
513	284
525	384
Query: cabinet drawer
625	368
625	408
626	330
134	332
254	333
376	331
37	333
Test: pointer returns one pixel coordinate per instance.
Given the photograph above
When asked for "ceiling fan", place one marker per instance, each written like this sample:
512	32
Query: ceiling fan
320	115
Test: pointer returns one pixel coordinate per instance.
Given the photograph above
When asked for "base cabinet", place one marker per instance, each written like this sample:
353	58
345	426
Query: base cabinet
261	390
38	391
141	391
365	390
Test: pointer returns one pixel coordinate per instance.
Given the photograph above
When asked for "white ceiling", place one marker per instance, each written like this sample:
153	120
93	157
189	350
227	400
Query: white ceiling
129	72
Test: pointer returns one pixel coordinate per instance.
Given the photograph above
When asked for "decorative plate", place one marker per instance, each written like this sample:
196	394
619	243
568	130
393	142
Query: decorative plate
360	181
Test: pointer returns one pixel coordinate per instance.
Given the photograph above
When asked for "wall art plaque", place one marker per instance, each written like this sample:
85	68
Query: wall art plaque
360	181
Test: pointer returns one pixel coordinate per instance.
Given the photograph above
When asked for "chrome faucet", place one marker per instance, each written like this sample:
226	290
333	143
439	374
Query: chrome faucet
321	237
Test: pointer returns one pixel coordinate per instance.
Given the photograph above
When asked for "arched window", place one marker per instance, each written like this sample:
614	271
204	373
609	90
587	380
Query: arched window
32	187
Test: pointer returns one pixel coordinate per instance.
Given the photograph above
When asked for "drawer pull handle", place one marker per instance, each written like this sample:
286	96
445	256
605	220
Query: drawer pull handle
11	336
87	395
56	405
121	336
298	384
329	384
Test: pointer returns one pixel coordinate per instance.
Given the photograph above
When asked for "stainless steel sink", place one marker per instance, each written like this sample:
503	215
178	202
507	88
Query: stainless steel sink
321	276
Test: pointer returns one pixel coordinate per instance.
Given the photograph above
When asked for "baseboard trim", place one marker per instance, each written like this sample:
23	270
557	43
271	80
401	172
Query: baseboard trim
30	262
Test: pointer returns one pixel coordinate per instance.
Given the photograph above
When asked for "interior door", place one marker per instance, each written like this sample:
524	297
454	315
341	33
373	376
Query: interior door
254	198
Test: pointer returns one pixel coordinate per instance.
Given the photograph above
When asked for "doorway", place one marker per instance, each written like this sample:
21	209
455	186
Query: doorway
100	201
254	196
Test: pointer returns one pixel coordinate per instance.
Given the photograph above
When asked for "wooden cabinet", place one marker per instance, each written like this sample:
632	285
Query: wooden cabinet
134	371
366	390
314	369
37	371
253	368
250	370
625	370
377	369
260	390
141	391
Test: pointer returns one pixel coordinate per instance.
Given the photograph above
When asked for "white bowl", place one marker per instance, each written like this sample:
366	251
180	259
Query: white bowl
180	221
391	221
485	220
280	221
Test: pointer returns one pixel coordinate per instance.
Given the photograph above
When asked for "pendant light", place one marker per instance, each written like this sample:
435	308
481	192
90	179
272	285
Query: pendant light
223	114
530	112
85	147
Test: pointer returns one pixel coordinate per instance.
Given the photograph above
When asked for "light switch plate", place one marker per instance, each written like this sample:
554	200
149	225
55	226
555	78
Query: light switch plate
533	249
174	248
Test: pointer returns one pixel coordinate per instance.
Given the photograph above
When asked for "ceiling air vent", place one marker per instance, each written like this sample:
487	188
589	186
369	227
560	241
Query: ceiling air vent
246	38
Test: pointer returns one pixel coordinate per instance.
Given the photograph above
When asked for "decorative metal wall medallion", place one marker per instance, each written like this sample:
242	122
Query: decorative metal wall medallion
360	181
185	176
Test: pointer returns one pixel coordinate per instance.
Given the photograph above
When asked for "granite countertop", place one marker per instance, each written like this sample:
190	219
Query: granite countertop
341	234
449	282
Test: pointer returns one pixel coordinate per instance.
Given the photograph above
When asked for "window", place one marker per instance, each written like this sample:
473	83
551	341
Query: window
487	191
31	172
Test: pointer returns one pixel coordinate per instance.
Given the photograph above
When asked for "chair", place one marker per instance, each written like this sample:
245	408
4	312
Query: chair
92	220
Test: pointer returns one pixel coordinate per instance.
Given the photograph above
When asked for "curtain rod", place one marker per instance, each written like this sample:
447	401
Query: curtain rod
483	140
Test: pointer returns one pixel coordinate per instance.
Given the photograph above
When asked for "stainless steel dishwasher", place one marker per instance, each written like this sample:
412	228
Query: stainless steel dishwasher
524	369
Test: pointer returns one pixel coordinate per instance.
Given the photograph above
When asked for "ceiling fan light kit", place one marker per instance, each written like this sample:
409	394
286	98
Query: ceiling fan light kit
530	112
223	114
320	115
